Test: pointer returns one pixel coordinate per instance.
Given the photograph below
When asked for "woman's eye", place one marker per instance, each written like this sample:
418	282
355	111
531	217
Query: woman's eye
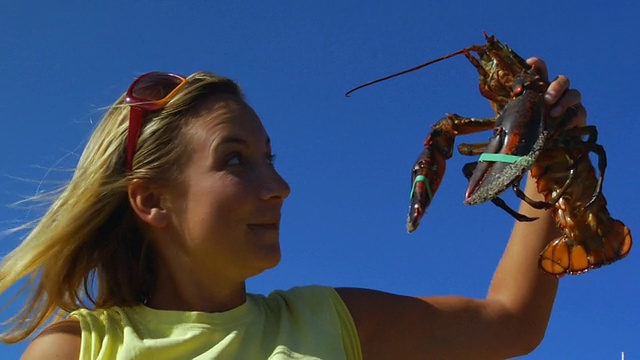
239	159
235	159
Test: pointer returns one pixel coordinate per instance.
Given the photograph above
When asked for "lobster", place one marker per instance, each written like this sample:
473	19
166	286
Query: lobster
525	139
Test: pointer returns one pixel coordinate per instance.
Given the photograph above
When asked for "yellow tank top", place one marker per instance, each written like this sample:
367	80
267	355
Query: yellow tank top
309	322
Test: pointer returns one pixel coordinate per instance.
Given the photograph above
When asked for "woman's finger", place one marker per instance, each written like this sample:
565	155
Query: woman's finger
557	89
570	98
539	66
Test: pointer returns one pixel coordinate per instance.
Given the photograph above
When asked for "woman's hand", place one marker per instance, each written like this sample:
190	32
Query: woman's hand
559	96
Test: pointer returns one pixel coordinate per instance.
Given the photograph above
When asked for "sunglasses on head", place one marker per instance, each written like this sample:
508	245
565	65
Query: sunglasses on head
149	92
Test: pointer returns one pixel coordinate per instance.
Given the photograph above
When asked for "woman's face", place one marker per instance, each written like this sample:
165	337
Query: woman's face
227	208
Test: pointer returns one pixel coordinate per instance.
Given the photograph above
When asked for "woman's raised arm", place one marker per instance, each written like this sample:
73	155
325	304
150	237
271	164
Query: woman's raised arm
510	321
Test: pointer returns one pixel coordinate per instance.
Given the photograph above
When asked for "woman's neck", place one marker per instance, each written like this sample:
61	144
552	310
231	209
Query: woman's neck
188	290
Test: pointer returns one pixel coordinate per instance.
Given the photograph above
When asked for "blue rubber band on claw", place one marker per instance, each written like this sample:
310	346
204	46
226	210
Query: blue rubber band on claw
426	183
505	158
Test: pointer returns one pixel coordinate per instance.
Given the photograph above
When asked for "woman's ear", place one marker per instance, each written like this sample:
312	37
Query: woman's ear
148	202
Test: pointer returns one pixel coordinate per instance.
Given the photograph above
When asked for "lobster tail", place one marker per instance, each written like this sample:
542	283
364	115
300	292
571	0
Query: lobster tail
617	242
564	256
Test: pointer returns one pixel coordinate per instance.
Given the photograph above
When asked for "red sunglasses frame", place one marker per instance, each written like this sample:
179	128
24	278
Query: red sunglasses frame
149	92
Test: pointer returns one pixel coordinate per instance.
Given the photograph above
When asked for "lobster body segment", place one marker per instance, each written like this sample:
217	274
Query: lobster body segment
590	236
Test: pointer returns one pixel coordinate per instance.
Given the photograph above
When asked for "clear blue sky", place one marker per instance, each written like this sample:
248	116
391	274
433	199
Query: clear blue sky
347	160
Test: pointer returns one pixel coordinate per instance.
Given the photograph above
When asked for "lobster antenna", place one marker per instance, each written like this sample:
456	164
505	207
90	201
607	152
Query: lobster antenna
463	51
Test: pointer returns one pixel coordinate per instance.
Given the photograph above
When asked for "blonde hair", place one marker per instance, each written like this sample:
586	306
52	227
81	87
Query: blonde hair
87	250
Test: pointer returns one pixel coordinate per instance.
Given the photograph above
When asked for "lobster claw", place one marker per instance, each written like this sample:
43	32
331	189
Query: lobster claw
426	176
428	170
518	138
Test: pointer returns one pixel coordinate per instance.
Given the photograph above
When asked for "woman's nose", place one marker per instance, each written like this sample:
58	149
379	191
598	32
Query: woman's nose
275	187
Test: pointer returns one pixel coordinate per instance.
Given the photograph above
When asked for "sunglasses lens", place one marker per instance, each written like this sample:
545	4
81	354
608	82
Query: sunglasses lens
155	86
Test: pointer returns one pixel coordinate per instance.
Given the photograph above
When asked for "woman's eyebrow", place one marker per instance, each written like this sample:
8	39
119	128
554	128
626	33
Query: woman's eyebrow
233	140
240	141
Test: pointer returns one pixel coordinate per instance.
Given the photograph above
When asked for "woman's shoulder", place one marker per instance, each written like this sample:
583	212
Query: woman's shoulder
305	291
307	296
307	304
60	340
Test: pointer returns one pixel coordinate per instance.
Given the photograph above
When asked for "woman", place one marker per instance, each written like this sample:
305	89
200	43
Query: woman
175	203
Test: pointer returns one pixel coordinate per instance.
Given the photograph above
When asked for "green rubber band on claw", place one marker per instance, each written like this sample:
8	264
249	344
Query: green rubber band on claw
505	158
423	179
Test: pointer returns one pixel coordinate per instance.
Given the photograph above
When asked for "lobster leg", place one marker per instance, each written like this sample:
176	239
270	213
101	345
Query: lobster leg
544	204
567	140
472	149
602	164
591	144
